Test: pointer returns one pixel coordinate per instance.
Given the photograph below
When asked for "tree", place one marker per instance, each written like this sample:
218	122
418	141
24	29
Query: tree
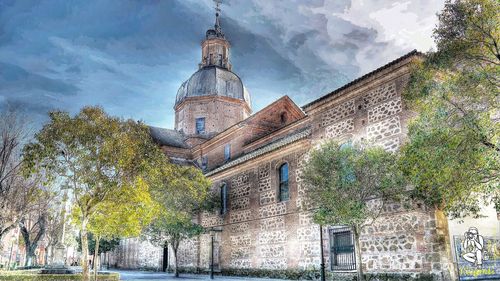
124	214
33	225
349	185
93	155
16	192
181	193
452	156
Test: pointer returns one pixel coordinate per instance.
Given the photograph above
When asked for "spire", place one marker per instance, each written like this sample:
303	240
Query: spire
215	47
217	31
217	13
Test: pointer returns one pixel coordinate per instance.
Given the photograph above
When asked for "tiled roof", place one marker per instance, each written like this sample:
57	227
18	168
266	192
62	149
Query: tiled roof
167	137
338	90
263	150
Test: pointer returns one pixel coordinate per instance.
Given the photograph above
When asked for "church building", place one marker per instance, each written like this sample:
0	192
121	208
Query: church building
255	159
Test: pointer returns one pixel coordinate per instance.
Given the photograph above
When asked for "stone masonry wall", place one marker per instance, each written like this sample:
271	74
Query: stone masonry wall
401	239
259	232
134	253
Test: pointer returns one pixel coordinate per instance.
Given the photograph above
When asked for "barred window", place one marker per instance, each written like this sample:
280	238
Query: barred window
283	178
342	255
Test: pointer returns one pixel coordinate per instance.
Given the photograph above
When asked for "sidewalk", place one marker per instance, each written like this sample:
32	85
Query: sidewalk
133	275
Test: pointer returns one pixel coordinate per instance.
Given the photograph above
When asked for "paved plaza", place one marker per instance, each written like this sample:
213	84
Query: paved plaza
151	276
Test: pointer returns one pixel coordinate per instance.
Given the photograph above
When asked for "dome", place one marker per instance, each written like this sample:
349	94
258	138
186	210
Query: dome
213	81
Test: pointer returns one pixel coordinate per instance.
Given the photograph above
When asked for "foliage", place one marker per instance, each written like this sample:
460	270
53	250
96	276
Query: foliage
363	179
469	30
181	193
104	244
125	213
453	152
313	274
94	155
354	176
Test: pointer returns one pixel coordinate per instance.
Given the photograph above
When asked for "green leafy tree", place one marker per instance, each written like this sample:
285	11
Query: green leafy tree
124	214
348	185
181	193
453	151
94	155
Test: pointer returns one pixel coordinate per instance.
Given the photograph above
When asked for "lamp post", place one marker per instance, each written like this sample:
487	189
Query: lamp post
212	255
213	230
322	264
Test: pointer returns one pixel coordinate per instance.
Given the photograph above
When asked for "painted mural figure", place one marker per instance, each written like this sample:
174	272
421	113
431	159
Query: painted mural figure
472	247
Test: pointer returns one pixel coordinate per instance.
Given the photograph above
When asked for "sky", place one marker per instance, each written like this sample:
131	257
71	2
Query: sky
131	56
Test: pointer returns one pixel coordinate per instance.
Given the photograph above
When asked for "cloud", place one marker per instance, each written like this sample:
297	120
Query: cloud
16	79
131	56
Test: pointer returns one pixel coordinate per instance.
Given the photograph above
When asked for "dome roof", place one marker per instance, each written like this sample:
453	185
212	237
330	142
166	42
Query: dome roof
213	81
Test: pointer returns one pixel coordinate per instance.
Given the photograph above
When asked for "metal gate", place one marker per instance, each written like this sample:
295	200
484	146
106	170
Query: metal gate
342	254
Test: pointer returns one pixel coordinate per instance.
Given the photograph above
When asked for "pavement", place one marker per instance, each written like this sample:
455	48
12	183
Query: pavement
131	275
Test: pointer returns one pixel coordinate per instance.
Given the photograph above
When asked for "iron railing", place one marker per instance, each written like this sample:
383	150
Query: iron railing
342	254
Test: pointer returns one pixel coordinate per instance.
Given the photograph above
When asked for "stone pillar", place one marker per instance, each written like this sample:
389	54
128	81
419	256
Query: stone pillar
448	268
58	264
59	258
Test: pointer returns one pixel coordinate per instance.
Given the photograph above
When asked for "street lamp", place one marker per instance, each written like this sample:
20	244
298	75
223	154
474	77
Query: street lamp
322	265
213	230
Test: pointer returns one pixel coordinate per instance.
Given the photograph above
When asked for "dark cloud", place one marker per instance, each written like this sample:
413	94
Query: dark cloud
131	56
16	79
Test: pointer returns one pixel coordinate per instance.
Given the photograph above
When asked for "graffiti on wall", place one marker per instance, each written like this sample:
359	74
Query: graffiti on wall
478	257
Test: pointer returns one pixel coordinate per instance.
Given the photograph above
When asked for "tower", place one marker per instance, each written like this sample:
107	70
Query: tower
213	98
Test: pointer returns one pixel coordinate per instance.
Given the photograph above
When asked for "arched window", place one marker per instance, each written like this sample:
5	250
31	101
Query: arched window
223	198
283	181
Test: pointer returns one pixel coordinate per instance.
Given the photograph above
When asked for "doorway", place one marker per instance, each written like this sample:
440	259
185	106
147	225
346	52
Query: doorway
165	259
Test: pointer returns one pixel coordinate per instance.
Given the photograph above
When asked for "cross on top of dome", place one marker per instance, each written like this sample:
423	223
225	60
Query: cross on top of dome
217	31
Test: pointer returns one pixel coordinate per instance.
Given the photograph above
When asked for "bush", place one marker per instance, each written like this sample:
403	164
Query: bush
311	274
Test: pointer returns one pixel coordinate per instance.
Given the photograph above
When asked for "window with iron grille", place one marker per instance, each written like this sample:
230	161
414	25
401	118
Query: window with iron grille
283	175
342	255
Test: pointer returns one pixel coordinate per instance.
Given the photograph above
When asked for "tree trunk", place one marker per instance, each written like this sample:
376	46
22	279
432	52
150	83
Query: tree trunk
31	244
85	250
357	249
46	258
175	246
30	255
96	257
